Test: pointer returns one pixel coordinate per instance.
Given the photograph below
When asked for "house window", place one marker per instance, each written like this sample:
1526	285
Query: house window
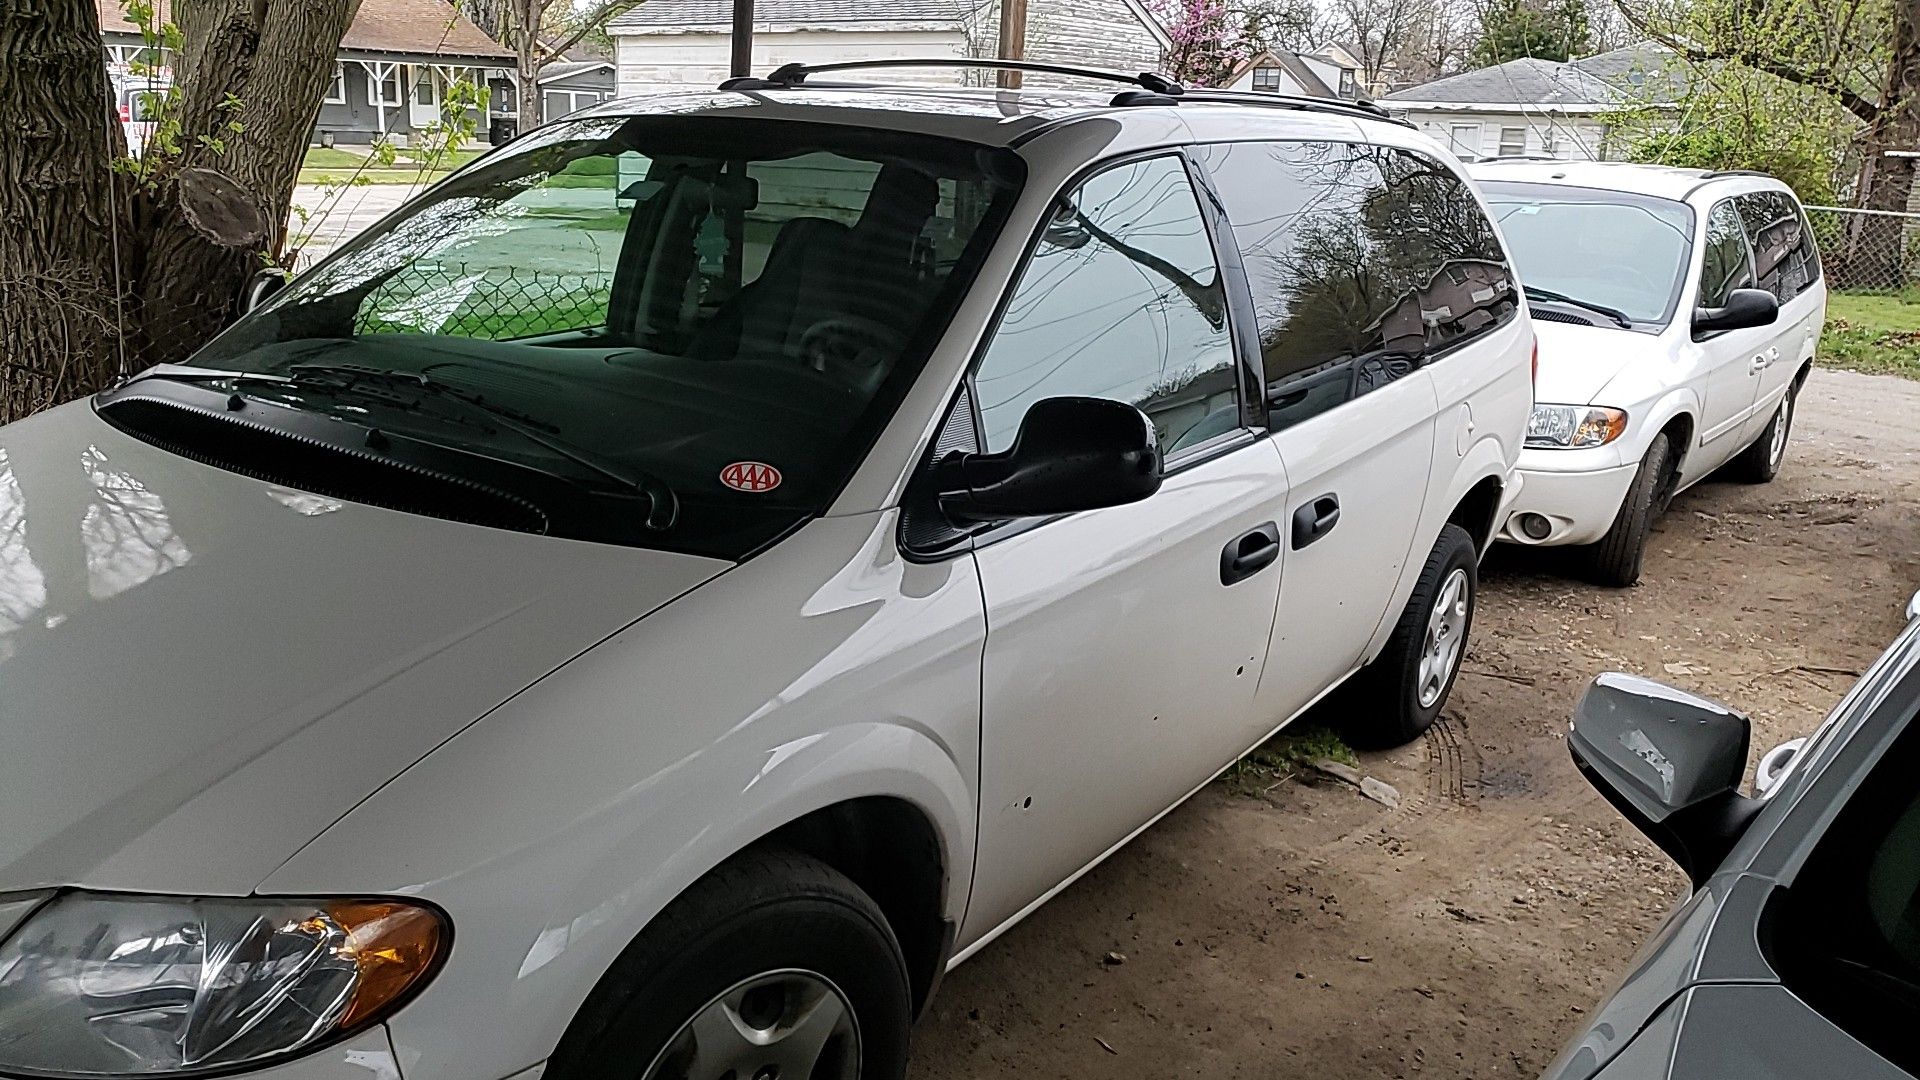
1513	141
1346	83
383	84
423	90
1464	141
1266	78
337	88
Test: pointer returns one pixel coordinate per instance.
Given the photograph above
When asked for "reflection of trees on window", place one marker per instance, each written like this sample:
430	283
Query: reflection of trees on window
1726	264
1121	300
128	537
1362	260
23	588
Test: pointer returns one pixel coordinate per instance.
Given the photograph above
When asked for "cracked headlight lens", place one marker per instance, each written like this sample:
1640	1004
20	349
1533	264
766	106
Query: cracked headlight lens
98	985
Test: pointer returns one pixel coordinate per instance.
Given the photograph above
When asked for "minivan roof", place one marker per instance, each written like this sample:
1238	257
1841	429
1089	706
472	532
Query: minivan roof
987	115
1660	181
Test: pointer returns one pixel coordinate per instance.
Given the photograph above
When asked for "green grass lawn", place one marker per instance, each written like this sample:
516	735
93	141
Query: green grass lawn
334	165
1875	333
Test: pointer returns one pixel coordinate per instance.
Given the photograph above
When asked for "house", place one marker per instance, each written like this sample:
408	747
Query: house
668	44
1353	58
1281	72
568	86
395	63
1543	108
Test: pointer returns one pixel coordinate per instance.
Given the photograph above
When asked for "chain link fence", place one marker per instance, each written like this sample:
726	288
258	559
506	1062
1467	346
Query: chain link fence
492	302
1868	251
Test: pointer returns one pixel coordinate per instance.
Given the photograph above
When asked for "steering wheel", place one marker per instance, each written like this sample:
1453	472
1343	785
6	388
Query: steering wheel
850	350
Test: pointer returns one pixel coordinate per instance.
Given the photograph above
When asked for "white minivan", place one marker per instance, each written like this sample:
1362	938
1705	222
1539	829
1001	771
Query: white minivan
1678	312
660	599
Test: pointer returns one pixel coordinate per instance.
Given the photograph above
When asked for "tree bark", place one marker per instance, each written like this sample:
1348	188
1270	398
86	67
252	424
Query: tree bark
59	206
1873	253
527	53
262	65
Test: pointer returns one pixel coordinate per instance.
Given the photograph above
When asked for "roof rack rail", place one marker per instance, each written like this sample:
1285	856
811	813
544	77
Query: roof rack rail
791	75
1300	102
1715	174
1517	157
1155	88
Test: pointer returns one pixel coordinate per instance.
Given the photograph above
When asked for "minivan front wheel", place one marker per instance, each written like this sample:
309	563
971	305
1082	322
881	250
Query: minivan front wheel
1398	696
773	967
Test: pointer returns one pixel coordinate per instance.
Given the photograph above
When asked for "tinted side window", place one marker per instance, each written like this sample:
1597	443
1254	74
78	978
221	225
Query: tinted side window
1725	262
1784	261
1122	299
1845	935
1362	260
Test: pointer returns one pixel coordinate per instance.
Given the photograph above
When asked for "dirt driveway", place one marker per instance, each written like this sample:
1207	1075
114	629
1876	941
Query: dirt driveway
1309	932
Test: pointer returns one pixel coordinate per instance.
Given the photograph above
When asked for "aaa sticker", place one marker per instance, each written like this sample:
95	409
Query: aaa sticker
752	476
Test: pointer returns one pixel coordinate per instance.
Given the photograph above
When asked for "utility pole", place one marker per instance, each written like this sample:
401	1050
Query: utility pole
742	40
1013	39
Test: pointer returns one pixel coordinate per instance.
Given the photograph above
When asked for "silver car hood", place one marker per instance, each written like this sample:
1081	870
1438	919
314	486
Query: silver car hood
199	672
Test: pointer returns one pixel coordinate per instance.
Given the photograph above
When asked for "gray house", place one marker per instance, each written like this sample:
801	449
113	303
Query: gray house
571	85
1542	108
395	65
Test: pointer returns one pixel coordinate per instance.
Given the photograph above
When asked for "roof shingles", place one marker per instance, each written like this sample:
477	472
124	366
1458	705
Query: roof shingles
407	27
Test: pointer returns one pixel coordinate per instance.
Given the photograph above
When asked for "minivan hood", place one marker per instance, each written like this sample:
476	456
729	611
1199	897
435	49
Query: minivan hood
1577	362
199	672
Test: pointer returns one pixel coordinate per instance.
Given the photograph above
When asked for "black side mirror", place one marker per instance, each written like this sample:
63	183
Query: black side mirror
261	287
1671	762
1071	453
1744	308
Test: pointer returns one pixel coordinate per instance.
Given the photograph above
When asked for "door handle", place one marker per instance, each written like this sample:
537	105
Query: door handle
1249	553
1758	365
1315	520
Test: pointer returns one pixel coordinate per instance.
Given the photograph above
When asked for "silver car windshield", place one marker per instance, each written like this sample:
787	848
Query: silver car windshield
1623	251
722	306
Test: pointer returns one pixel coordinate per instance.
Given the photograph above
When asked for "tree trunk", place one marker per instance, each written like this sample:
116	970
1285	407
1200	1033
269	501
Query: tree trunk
527	69
59	200
1874	250
251	78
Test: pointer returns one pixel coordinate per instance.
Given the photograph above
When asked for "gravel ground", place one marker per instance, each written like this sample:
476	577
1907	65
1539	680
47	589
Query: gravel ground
1308	932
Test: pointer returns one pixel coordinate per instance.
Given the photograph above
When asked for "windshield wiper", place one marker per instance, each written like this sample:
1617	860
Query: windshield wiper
664	505
1535	292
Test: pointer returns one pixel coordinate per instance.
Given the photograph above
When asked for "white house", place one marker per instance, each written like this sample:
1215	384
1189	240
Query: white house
666	44
1292	73
1540	107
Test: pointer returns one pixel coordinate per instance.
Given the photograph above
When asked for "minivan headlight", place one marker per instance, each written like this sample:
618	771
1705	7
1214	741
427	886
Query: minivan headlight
96	985
1573	427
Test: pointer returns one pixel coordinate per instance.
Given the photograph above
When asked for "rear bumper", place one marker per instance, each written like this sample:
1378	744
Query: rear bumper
1579	506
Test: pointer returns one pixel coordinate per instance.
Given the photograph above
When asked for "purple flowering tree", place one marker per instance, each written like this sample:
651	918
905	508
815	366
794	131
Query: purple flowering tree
1207	39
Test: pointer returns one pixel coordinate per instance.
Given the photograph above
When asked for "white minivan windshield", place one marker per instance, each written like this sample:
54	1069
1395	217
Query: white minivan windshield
1622	251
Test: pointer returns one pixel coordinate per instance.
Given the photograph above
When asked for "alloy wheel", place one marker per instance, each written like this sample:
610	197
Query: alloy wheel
1446	637
778	1025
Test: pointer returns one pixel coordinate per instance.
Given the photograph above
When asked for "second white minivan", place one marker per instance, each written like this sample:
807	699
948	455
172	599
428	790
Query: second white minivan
1678	312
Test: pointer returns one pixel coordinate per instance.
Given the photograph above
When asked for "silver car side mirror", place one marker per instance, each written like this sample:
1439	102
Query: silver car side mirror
1671	762
1774	765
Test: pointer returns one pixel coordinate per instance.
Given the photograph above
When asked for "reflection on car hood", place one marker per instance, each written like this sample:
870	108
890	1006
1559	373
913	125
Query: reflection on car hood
1577	362
199	671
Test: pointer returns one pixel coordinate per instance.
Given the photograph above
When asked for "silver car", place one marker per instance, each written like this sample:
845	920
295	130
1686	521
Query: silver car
1798	954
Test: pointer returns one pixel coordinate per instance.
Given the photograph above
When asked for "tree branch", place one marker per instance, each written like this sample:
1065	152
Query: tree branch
586	24
1823	80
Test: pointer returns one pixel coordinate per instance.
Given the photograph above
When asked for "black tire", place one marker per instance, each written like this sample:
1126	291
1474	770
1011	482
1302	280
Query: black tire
764	911
1760	463
1614	560
1381	705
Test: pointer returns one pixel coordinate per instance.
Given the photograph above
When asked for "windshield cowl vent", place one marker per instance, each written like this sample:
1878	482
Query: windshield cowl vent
1544	315
242	446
